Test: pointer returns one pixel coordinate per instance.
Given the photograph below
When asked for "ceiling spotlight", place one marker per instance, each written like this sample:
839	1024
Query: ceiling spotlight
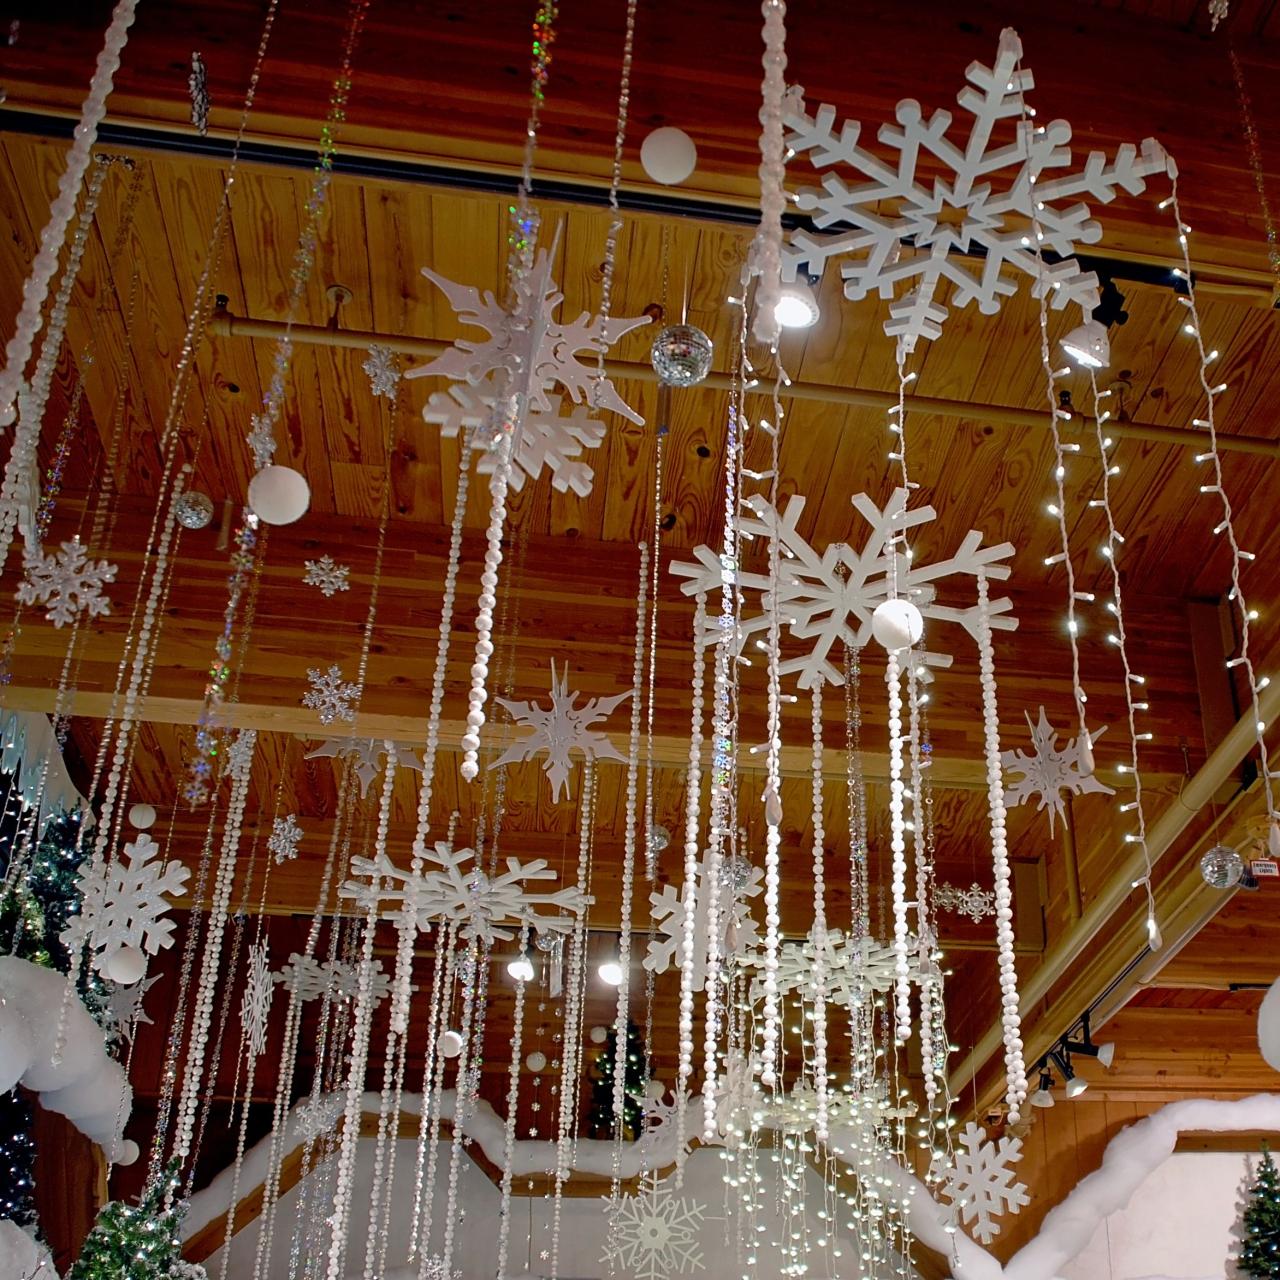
521	967
1088	345
1074	1085
609	971
1043	1096
1105	1053
797	306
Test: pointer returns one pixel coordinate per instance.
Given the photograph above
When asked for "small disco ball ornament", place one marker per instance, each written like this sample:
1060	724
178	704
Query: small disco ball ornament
735	874
450	1044
659	837
1222	867
193	510
681	355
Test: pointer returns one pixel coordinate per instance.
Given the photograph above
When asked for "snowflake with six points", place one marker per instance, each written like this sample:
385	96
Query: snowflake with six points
981	1184
655	1234
284	837
329	576
65	582
364	755
383	367
975	902
255	1006
330	696
1050	773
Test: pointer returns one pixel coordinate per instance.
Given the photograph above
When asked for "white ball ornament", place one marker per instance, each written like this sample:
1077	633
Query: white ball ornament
126	966
668	156
655	1089
142	816
1269	1026
127	1152
897	624
599	1035
536	1061
279	495
450	1044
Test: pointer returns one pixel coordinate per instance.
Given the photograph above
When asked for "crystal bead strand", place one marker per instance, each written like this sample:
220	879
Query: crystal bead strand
509	1126
773	168
459	1114
819	926
898	846
650	851
1015	1069
433	1098
923	897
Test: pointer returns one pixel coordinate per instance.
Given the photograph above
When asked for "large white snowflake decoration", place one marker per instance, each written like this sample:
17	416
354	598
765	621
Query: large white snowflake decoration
654	1234
560	729
975	902
552	439
65	582
123	903
829	596
909	234
330	696
981	1182
368	756
284	837
326	574
310	978
491	908
1050	773
855	969
738	930
660	1118
255	1005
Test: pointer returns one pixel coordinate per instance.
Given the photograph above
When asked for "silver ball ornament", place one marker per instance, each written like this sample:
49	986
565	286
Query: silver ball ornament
193	510
681	355
1222	867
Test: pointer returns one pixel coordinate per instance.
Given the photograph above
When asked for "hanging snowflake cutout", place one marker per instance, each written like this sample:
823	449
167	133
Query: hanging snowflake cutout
654	1235
330	696
125	1007
981	1184
367	756
383	367
327	575
284	837
255	1005
969	229
123	903
560	730
1052	774
66	582
314	1117
739	932
975	902
261	440
309	979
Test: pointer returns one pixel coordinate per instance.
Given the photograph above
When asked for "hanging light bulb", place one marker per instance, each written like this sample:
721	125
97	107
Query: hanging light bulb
797	306
1088	345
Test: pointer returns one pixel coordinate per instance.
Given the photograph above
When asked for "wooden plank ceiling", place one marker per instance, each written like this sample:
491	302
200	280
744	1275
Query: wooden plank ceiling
572	567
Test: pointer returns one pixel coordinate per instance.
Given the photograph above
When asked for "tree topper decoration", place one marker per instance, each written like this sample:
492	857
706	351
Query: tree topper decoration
561	729
1049	773
966	227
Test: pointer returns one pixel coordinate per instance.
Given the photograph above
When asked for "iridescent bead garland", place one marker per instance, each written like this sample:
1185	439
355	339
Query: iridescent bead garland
773	196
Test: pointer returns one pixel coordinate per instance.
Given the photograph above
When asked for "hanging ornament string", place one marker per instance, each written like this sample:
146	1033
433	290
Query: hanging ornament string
819	980
1256	168
509	1125
773	196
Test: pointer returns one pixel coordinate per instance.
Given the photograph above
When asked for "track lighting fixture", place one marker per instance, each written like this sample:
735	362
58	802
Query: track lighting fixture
1088	345
1043	1096
1105	1052
1073	1085
797	305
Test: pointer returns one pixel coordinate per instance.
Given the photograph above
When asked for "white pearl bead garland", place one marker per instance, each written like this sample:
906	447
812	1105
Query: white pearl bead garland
1011	1019
898	846
819	926
509	1128
924	872
773	196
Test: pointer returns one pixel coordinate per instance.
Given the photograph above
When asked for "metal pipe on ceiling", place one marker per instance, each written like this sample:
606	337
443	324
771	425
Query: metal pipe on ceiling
225	325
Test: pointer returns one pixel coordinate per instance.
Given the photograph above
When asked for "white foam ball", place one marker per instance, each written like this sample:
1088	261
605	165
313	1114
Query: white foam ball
668	155
279	495
599	1035
142	816
655	1089
125	965
536	1061
897	624
1269	1026
127	1152
450	1044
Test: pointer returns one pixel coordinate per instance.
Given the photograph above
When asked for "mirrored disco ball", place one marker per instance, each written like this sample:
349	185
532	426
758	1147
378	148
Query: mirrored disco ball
193	509
1222	867
681	355
735	874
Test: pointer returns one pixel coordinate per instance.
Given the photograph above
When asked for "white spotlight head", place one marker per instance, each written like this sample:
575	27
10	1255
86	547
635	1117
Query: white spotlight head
520	968
1088	345
610	972
1107	1054
1042	1098
1076	1086
797	306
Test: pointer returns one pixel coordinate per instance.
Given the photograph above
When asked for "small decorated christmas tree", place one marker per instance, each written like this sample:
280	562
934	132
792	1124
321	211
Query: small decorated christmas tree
635	1074
17	1160
1260	1254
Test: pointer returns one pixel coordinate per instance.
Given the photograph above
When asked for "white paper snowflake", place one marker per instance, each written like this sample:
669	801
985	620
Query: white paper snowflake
1050	773
255	1005
368	756
124	903
284	837
561	729
125	1005
65	582
975	902
855	970
491	908
738	931
551	440
829	596
981	1183
310	978
660	1115
383	367
330	696
326	574
261	440
910	234
654	1235
239	755
314	1117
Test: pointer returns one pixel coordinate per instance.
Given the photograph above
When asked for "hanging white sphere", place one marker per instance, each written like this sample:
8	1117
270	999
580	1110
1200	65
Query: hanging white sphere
536	1061
142	816
897	624
1269	1026
126	965
279	495
655	1089
668	155
599	1035
127	1152
450	1044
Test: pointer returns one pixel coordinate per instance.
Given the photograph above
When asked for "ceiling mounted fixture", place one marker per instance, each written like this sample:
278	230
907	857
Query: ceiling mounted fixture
797	306
1088	345
1043	1096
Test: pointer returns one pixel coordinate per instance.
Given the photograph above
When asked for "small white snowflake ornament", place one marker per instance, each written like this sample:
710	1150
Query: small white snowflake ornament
330	696
975	902
383	367
284	837
981	1184
1050	773
123	904
314	1117
367	756
255	1005
326	574
125	1006
911	237
65	582
655	1234
561	729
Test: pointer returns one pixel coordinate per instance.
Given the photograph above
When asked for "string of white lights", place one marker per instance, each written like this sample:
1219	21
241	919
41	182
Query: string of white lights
819	979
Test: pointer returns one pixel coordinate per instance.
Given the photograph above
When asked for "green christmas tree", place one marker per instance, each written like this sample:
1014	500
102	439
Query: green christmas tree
635	1074
1260	1254
17	1160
